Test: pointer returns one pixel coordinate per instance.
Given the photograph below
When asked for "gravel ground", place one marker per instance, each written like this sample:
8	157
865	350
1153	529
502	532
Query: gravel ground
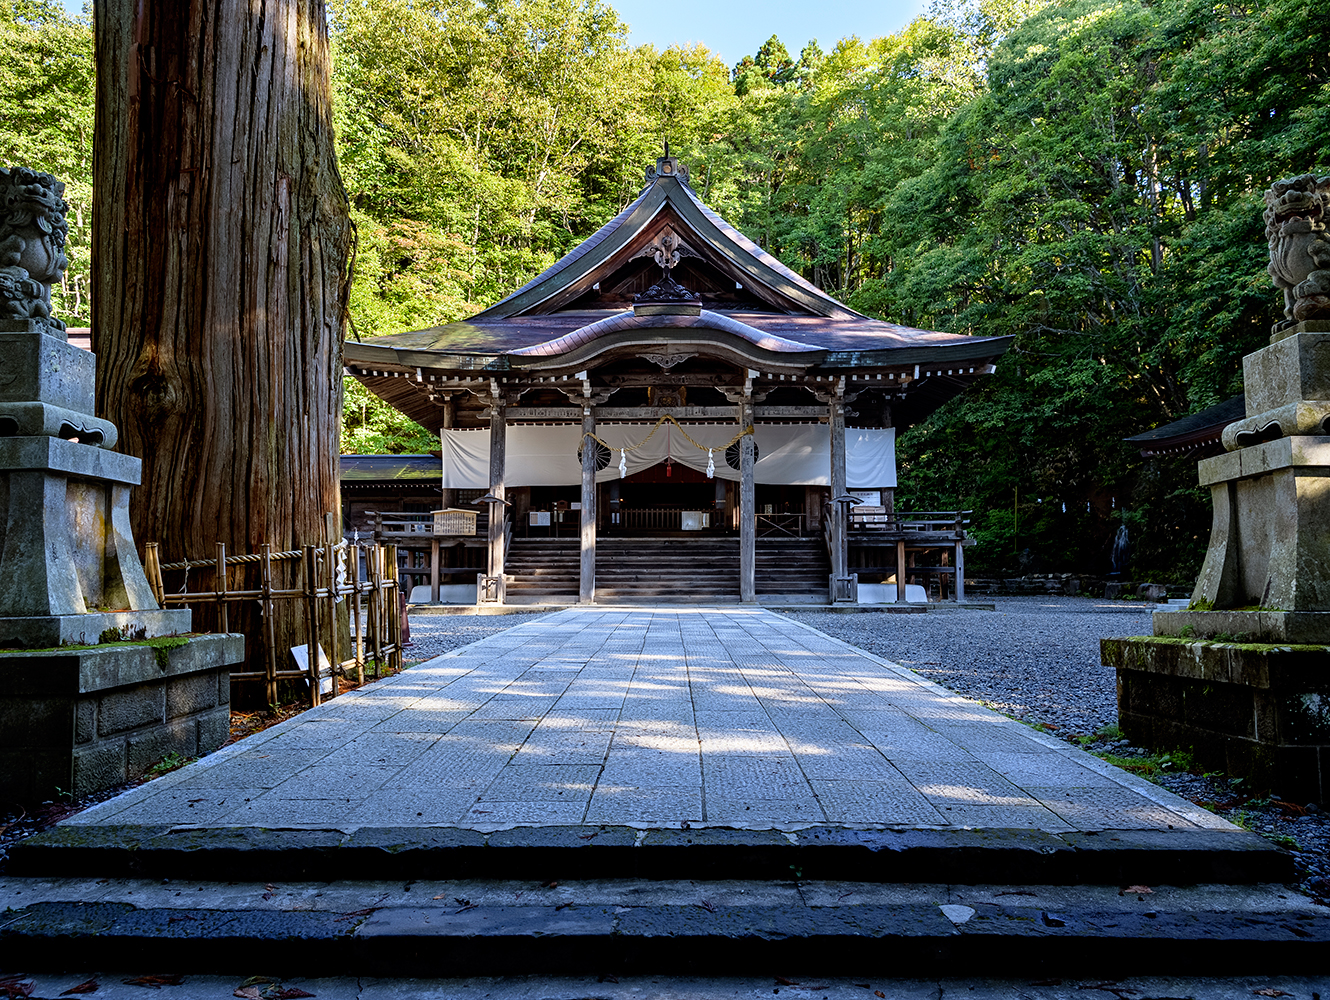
433	635
1037	659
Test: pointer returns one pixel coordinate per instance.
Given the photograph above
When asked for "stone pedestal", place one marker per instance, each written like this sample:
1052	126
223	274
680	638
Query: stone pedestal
77	721
1242	677
1255	711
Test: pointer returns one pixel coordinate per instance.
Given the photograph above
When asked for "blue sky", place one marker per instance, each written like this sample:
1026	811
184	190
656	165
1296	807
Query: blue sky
735	28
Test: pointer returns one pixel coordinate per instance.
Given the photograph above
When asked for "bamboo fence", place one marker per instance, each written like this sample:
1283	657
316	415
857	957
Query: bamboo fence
314	579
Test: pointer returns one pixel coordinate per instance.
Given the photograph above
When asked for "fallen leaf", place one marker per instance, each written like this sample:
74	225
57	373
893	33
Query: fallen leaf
88	987
462	902
1136	890
247	993
16	986
154	982
879	993
563	906
260	980
786	982
1292	808
441	895
1270	991
550	885
710	907
291	992
863	986
469	906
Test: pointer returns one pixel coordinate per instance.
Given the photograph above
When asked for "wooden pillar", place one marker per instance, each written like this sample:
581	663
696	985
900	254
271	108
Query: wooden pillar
747	508
434	570
498	469
586	588
448	497
959	589
838	526
900	572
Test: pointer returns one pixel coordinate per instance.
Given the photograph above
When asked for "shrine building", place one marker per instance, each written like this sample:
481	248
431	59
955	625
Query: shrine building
726	401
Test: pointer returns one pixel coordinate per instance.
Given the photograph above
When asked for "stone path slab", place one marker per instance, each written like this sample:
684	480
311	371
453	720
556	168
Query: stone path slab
654	717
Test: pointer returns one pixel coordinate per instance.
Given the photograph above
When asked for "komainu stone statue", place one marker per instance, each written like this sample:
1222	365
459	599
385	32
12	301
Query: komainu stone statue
32	243
86	702
1295	226
1243	675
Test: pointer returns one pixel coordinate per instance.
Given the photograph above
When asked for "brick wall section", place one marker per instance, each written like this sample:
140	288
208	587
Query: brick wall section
1253	711
83	720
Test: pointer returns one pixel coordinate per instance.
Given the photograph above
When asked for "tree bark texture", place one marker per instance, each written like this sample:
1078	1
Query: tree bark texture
221	240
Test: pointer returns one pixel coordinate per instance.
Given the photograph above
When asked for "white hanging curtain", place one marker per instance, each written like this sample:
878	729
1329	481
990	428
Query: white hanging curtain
870	457
536	456
788	454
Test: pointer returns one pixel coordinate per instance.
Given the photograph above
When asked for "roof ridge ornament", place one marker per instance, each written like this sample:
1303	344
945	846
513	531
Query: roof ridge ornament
668	166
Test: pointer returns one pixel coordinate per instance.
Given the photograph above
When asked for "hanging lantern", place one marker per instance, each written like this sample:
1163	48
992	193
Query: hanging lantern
669	467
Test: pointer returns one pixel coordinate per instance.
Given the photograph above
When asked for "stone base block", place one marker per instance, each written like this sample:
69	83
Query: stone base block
1256	711
77	721
1297	628
87	630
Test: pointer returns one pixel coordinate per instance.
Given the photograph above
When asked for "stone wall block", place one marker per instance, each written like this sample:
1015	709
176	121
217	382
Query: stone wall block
187	695
214	728
147	748
35	722
130	708
99	765
85	720
1230	709
1306	715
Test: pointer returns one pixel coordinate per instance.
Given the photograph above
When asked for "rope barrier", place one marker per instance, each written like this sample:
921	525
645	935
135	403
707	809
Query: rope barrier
709	449
188	564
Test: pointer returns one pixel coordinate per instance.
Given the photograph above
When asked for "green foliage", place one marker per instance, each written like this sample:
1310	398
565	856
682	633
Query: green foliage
1082	176
372	427
46	114
171	762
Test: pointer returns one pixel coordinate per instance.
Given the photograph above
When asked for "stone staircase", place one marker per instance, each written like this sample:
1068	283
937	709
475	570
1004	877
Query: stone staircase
795	568
666	570
543	570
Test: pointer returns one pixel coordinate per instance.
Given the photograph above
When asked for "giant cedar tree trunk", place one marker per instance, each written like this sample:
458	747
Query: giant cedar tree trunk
221	238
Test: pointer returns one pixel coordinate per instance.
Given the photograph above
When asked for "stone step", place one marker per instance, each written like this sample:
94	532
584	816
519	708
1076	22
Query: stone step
617	900
420	928
706	853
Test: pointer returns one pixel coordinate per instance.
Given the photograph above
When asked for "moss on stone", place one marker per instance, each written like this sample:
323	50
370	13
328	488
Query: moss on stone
162	644
1246	647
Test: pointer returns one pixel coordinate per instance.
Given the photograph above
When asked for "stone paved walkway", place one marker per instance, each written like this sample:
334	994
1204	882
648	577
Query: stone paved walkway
653	716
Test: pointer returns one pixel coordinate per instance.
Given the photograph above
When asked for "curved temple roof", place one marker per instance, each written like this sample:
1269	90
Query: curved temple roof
748	308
